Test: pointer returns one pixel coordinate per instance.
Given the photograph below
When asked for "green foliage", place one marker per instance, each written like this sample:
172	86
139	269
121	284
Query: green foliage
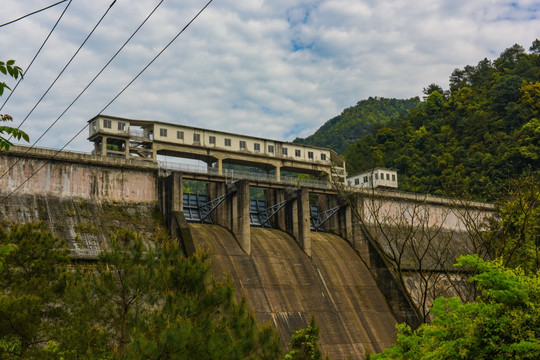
502	323
357	121
515	232
304	344
194	187
140	300
10	69
472	139
32	279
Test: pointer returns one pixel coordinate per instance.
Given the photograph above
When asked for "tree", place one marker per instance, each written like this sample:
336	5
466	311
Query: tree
304	344
431	88
146	300
32	281
10	69
419	242
515	230
535	47
140	300
502	323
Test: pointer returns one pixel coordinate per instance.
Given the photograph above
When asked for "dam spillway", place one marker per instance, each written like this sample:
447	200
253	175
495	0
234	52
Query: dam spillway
286	287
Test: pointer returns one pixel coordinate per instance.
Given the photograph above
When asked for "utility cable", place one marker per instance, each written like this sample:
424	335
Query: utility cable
106	106
32	13
86	88
35	56
65	67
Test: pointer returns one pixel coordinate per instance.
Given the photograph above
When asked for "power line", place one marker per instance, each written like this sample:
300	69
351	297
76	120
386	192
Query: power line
86	88
109	104
65	67
35	56
32	13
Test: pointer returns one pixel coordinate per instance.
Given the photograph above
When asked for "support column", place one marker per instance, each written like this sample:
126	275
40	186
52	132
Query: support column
278	173
126	144
304	231
240	215
221	216
273	197
297	218
177	203
104	146
220	166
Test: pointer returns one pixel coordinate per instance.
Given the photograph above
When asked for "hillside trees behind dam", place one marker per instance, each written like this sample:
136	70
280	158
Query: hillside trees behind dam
473	139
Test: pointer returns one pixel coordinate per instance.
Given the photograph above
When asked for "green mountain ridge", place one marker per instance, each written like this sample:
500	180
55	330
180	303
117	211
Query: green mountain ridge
357	121
475	139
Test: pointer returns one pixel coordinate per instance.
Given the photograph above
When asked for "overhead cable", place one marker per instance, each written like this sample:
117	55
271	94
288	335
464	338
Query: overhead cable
106	106
86	88
32	13
65	67
35	56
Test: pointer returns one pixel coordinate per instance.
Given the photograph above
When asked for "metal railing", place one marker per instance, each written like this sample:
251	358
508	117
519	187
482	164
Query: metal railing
139	133
233	175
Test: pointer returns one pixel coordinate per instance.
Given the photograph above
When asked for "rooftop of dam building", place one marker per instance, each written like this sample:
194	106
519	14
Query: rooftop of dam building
145	140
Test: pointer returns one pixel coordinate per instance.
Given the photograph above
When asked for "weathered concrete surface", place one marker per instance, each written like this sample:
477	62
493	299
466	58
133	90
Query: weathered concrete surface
85	224
286	287
79	175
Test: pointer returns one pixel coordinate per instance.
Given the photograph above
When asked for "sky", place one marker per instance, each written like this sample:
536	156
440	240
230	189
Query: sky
275	69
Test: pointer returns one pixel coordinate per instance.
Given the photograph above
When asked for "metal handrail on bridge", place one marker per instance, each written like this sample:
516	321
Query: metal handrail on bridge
233	175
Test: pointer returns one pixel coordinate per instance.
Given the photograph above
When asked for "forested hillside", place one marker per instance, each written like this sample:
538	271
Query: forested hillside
474	137
354	122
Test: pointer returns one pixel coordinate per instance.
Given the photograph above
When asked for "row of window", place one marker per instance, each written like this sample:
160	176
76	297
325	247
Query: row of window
387	177
365	178
242	144
107	124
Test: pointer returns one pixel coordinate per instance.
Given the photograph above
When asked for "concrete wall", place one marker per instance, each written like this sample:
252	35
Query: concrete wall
82	198
80	175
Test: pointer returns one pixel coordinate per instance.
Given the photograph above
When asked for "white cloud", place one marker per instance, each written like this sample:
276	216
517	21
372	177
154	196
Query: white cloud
275	69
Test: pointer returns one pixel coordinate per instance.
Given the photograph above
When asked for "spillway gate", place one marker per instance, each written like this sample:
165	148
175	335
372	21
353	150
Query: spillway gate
198	207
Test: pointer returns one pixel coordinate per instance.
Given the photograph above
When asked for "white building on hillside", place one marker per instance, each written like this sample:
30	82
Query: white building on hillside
378	177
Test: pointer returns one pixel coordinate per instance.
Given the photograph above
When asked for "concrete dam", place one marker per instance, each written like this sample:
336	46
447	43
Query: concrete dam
286	287
287	273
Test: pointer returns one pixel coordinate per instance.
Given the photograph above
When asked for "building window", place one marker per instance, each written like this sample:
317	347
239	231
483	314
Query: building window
107	124
212	140
242	144
388	177
393	177
121	126
227	142
357	181
284	151
196	137
310	155
297	153
180	135
94	126
376	176
257	147
271	149
365	179
163	132
349	182
323	157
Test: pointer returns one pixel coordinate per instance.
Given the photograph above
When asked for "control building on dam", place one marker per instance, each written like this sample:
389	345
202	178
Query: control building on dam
296	254
144	140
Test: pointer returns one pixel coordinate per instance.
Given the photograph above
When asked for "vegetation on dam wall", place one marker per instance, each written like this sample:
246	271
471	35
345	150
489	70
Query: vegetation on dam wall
85	224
